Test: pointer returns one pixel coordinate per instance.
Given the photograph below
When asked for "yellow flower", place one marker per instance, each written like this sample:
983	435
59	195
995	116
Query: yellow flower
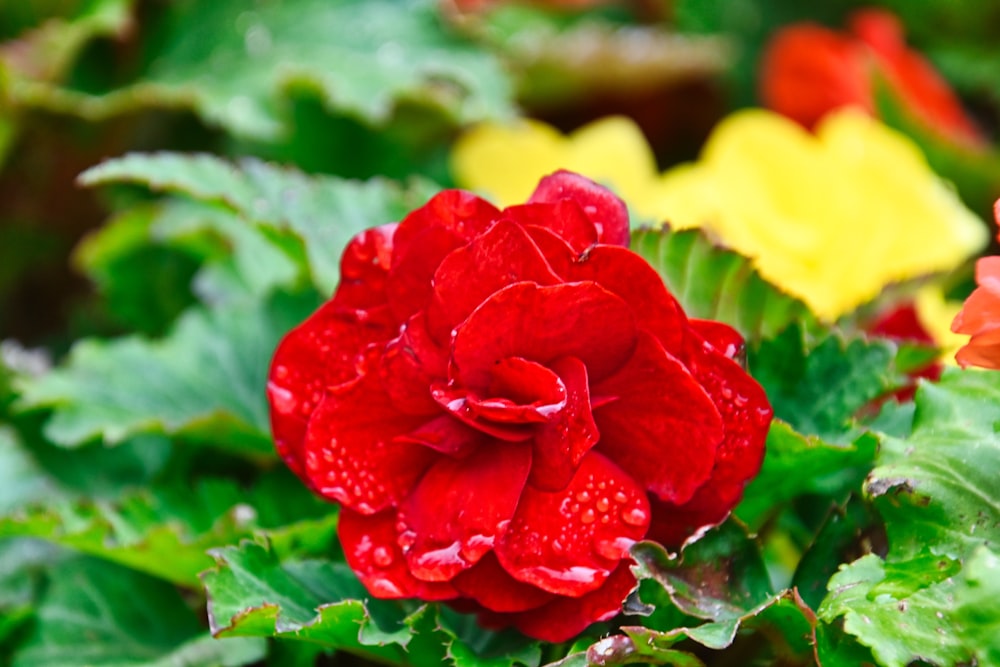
505	162
832	217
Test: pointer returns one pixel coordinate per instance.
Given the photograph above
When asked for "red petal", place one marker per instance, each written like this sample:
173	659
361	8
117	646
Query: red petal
369	544
982	351
324	351
352	451
459	509
409	284
489	584
502	255
722	337
746	414
455	401
411	363
981	311
606	211
581	320
663	429
561	443
447	435
364	267
564	618
622	272
462	214
568	542
565	218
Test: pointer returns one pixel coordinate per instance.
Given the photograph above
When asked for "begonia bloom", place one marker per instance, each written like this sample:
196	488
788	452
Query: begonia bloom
504	401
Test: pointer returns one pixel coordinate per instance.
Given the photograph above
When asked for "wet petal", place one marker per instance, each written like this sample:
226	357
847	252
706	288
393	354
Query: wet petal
352	451
568	542
569	433
605	210
503	255
459	509
461	214
626	274
722	337
562	619
364	268
411	363
324	351
662	428
489	584
447	435
582	320
746	414
370	547
565	218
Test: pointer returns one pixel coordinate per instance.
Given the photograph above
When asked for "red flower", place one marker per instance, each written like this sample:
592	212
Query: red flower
980	315
809	70
503	402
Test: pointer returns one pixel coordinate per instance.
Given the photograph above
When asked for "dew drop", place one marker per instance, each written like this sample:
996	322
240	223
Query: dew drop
281	372
583	496
603	504
635	516
382	557
282	399
620	497
588	516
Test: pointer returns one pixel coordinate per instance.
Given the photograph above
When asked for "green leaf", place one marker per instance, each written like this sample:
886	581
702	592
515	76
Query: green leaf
167	531
797	465
252	592
718	577
94	614
235	67
937	488
714	283
22	480
921	609
324	212
820	390
206	380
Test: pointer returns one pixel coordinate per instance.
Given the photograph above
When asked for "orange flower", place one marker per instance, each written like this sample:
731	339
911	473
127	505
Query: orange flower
980	315
809	70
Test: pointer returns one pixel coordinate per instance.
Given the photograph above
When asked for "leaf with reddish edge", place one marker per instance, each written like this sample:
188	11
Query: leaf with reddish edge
564	618
364	267
324	351
622	272
582	320
460	213
746	414
568	542
371	549
410	364
564	218
459	509
570	432
352	454
607	211
489	584
503	255
663	429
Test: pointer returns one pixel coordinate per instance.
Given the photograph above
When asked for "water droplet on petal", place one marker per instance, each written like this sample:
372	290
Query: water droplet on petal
613	549
620	497
583	496
603	504
635	516
588	516
382	557
282	399
281	372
